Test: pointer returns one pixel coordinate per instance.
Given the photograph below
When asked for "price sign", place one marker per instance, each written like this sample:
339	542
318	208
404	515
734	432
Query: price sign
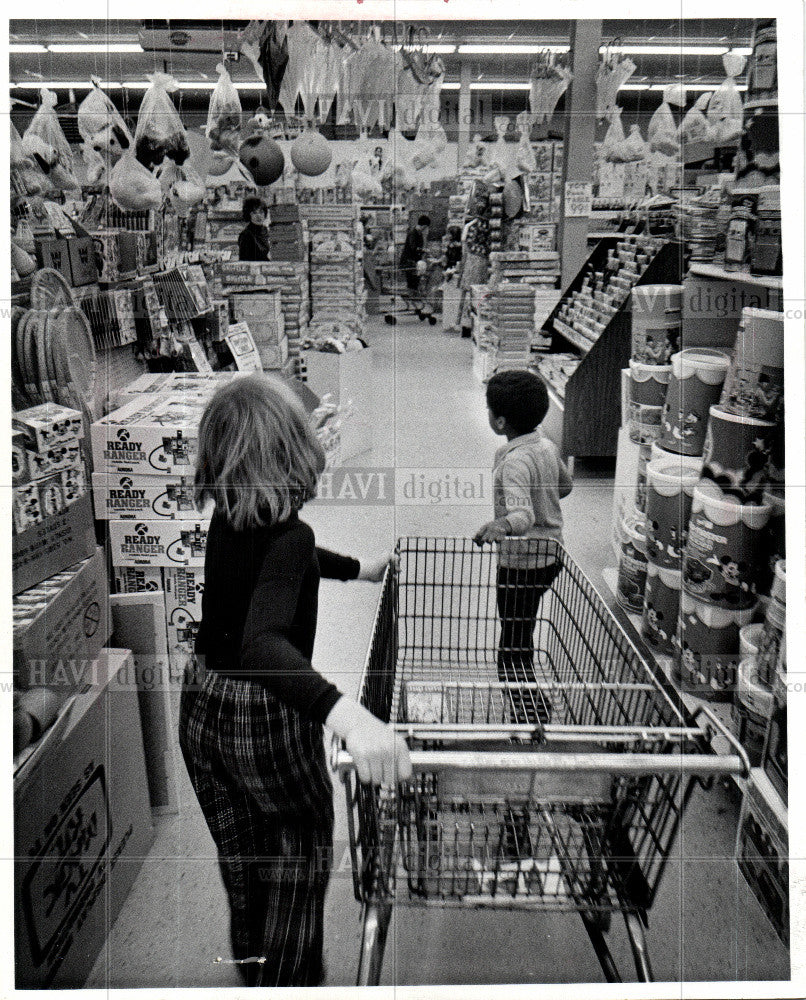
578	199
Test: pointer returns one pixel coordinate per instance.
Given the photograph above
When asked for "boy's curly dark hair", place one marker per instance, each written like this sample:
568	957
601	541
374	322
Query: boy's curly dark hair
521	397
250	204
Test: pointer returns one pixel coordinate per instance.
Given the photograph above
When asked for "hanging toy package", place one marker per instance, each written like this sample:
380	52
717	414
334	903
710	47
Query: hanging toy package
525	158
613	145
662	131
132	187
160	131
695	126
97	116
46	142
27	175
725	107
634	146
224	116
429	142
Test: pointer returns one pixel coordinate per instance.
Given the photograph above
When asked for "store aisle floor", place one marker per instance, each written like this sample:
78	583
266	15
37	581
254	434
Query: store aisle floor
429	420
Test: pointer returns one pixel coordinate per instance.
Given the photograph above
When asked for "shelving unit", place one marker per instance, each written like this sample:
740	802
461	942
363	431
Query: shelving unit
587	415
773	282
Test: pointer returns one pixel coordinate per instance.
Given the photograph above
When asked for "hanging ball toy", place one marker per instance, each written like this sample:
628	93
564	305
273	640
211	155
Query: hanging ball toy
311	153
263	158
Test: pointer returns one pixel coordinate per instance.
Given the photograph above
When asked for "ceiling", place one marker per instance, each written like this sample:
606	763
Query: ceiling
196	71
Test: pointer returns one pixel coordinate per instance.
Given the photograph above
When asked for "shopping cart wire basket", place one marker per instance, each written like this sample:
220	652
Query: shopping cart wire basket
552	761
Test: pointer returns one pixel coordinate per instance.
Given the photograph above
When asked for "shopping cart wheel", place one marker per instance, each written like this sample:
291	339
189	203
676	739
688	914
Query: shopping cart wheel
432	320
389	319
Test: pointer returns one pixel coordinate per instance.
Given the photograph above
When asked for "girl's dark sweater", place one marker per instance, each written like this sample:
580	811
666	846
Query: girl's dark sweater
259	609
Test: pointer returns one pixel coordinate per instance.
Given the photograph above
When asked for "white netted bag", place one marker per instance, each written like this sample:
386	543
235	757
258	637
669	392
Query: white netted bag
725	107
45	138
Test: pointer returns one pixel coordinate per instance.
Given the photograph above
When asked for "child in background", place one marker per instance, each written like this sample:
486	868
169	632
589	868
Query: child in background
529	479
252	710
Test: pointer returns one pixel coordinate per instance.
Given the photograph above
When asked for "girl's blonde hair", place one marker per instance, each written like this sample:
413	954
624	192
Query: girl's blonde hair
258	457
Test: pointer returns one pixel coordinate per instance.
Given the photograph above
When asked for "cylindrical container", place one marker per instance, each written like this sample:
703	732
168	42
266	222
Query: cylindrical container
766	252
648	383
632	569
774	630
749	640
708	647
644	453
656	322
751	711
681	462
661	607
754	384
670	490
724	548
645	423
762	70
736	453
776	536
695	385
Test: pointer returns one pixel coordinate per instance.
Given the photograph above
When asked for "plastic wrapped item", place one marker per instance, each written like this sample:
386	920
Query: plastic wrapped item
183	187
364	184
45	140
94	163
614	71
634	146
548	81
662	131
695	126
97	114
526	160
132	187
224	114
27	175
725	107
613	145
160	131
429	142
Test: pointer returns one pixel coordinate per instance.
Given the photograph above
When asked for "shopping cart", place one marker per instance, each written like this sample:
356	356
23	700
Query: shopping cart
560	790
423	302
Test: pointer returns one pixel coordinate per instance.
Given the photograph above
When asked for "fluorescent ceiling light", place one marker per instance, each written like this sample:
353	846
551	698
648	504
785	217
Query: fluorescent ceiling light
113	47
437	49
195	84
495	85
694	87
671	49
26	47
248	85
136	84
62	85
450	86
509	50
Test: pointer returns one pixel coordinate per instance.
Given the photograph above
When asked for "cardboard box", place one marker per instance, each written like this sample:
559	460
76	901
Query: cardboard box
279	214
158	543
60	625
65	455
139	624
348	377
136	579
154	434
54	254
82	827
762	850
26	506
128	497
178	383
48	424
20	471
183	597
48	547
83	268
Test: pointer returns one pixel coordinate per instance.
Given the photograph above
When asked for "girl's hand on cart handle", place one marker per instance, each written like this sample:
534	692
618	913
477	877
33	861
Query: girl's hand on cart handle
380	755
493	531
373	569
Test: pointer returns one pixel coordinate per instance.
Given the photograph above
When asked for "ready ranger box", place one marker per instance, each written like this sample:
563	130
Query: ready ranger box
82	827
183	588
60	626
151	434
127	497
158	543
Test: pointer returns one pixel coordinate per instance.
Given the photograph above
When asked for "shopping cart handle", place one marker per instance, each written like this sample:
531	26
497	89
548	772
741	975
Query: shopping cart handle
617	764
723	730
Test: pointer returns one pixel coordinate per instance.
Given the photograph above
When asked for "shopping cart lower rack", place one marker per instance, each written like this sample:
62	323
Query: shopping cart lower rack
550	773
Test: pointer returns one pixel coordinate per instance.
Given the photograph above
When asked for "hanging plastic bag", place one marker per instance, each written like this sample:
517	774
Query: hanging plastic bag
634	146
45	140
27	175
364	184
662	131
132	187
96	114
695	126
526	160
187	190
224	114
613	145
94	163
548	81
429	142
725	107
613	72
160	131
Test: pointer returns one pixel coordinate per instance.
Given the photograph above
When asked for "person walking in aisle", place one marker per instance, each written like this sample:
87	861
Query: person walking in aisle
413	264
529	480
253	243
252	705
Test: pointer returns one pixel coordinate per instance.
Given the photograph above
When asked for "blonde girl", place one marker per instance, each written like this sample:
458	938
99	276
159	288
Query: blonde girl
253	707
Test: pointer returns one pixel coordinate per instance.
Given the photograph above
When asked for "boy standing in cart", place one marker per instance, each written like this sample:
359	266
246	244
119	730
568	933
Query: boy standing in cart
529	480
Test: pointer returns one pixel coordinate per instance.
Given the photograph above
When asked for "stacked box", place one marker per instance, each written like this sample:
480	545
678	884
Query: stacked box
513	310
47	464
195	384
336	268
525	266
289	279
263	314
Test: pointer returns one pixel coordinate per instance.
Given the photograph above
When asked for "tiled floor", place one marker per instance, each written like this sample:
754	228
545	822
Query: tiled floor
429	419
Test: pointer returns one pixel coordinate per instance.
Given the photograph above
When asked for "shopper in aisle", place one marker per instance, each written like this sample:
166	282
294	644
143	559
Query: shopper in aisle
529	480
413	264
253	243
252	709
475	242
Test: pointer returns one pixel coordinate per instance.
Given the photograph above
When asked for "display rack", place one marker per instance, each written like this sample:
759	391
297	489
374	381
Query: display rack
584	418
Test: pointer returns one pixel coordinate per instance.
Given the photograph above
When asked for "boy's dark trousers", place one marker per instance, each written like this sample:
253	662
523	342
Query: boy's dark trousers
519	592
